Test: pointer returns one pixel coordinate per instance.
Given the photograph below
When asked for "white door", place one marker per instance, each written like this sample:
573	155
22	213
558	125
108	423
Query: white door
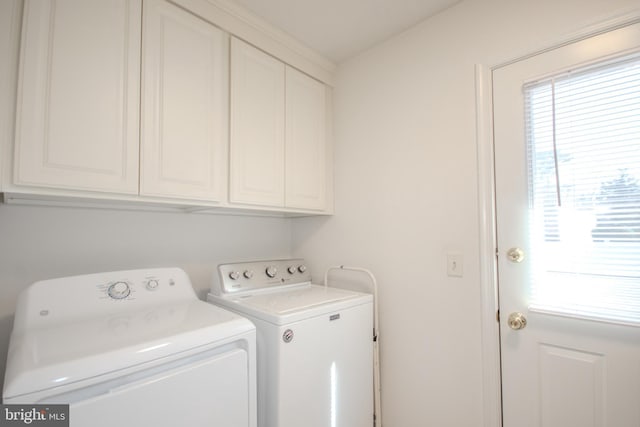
77	116
306	143
257	126
567	147
184	105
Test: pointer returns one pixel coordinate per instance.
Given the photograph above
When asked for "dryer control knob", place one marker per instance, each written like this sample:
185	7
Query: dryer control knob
292	270
248	274
119	290
302	268
271	271
234	275
152	284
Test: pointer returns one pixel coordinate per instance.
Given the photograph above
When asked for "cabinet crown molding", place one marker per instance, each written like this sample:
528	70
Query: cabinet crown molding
244	24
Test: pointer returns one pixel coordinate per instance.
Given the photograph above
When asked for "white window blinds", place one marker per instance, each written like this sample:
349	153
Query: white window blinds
583	134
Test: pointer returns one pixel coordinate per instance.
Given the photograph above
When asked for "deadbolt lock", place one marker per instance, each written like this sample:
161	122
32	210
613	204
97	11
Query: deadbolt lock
515	255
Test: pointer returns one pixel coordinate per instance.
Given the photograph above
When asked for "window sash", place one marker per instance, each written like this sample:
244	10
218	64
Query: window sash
583	147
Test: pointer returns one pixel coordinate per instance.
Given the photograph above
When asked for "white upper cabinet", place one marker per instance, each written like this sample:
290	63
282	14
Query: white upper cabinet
278	133
184	105
257	127
151	101
77	115
306	142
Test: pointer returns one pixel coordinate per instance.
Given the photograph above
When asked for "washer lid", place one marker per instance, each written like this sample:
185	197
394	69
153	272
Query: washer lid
297	303
44	358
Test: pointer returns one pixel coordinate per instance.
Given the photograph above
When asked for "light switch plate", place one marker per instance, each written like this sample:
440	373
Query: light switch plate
455	264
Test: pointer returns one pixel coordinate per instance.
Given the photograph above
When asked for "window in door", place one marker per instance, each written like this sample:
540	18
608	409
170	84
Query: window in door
583	140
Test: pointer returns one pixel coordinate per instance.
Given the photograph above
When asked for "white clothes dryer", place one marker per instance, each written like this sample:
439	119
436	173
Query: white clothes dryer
314	343
132	348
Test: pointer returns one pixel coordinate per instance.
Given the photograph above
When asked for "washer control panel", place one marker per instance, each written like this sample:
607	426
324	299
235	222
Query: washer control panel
258	275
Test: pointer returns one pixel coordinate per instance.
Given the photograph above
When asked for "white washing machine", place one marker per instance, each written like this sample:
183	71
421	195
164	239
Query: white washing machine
132	348
315	344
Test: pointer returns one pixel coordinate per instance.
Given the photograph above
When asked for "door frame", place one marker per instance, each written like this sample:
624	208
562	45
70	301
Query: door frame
490	328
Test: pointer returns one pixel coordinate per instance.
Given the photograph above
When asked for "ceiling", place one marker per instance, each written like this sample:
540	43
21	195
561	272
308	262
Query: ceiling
340	29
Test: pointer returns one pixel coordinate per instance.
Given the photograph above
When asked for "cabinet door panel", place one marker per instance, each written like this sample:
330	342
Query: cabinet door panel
257	126
184	105
77	117
305	142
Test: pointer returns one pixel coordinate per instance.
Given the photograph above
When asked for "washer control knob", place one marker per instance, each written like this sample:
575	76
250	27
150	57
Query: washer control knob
119	290
234	275
271	271
292	270
248	274
302	268
152	284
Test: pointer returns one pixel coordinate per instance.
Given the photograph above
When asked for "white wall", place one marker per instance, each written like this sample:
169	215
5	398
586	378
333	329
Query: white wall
406	192
43	242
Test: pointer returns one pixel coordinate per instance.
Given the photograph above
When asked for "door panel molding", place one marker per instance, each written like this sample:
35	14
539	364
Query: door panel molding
564	366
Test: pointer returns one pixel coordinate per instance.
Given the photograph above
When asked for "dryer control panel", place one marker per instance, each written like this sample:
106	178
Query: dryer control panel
67	299
259	275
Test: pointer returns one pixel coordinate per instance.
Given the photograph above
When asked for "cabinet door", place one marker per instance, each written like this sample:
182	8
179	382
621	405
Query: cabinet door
257	126
185	104
77	116
305	142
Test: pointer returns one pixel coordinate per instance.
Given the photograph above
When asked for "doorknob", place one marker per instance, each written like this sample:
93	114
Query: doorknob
517	321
